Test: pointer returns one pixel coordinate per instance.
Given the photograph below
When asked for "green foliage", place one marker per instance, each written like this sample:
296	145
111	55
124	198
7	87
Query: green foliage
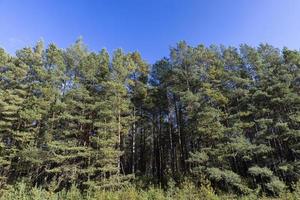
187	191
258	171
75	117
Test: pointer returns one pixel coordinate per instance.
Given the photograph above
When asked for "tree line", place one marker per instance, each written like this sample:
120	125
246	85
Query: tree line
227	115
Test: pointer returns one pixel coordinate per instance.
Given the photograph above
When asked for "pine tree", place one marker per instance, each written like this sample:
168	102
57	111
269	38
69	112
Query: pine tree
75	118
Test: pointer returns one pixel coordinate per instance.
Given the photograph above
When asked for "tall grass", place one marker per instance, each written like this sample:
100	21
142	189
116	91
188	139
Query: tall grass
186	191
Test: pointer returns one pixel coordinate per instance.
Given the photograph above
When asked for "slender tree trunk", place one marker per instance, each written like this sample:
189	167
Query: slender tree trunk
180	138
133	142
171	146
153	146
119	134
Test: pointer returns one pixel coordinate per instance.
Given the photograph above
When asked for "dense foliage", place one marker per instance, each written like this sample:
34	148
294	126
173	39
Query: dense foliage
186	191
224	115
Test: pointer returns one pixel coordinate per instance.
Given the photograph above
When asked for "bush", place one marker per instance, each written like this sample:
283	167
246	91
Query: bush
186	191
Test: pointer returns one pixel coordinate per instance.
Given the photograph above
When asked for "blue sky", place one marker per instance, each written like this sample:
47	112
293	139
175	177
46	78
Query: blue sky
149	26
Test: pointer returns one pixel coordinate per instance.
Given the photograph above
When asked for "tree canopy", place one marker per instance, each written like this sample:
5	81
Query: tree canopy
227	115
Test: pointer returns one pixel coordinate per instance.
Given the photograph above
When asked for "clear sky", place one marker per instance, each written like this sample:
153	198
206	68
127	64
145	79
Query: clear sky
149	26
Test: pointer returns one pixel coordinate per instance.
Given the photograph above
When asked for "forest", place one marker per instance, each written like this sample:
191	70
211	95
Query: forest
205	122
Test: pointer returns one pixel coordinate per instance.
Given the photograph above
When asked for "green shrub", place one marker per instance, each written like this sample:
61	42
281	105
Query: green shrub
186	191
154	194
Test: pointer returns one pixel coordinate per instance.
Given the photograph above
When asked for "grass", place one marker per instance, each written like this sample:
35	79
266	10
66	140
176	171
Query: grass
187	191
